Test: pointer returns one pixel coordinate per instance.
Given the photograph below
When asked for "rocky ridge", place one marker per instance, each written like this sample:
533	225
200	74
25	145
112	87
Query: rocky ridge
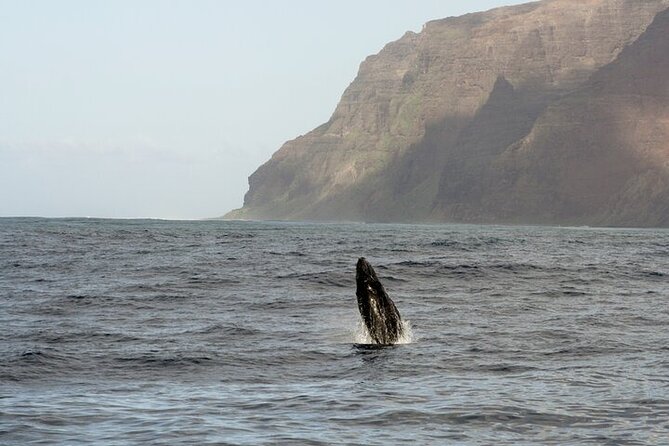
553	112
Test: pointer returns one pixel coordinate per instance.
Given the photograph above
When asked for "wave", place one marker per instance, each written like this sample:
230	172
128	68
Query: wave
323	278
471	244
480	415
35	363
165	360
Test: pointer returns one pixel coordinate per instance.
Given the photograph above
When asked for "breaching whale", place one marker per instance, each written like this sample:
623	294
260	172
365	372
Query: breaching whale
380	314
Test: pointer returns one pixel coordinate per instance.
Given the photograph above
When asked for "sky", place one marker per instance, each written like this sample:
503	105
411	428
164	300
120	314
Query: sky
162	109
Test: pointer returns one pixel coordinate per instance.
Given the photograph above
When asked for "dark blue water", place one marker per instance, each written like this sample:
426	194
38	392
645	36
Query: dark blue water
152	332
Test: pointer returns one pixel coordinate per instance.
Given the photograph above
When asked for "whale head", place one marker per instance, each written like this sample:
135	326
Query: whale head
364	271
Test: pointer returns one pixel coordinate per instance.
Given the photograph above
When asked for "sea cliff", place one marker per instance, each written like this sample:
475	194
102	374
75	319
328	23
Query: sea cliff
552	112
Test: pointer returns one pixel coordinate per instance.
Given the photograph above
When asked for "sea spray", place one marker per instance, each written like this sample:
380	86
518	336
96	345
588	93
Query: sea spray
360	334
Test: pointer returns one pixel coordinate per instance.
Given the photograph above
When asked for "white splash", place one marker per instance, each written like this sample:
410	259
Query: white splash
361	335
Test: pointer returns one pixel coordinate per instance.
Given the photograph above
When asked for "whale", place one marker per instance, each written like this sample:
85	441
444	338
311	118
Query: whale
378	311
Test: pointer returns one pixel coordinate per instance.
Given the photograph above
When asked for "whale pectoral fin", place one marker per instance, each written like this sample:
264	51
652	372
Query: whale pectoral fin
365	295
390	315
375	316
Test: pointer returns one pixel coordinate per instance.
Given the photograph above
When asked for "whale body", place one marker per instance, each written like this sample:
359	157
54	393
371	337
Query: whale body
378	311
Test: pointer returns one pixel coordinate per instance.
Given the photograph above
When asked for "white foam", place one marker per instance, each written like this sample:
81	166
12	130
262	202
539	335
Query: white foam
361	335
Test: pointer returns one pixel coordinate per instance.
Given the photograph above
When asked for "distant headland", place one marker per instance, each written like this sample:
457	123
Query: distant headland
552	112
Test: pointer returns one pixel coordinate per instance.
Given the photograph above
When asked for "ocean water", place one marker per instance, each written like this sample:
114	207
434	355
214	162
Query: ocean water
157	332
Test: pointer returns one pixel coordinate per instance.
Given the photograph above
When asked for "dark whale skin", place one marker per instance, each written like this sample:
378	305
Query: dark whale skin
378	311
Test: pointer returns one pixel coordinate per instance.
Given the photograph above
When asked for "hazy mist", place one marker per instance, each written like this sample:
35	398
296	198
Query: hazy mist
163	109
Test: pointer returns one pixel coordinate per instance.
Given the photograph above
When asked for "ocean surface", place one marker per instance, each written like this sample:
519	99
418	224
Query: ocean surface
160	332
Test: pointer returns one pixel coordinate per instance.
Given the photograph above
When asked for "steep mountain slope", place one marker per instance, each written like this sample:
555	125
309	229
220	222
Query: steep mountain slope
461	121
600	155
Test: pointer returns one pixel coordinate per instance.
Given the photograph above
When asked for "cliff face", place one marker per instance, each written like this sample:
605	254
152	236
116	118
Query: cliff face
549	112
597	156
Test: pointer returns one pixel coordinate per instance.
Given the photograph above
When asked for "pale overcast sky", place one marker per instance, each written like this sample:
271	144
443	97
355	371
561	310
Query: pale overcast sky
157	108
